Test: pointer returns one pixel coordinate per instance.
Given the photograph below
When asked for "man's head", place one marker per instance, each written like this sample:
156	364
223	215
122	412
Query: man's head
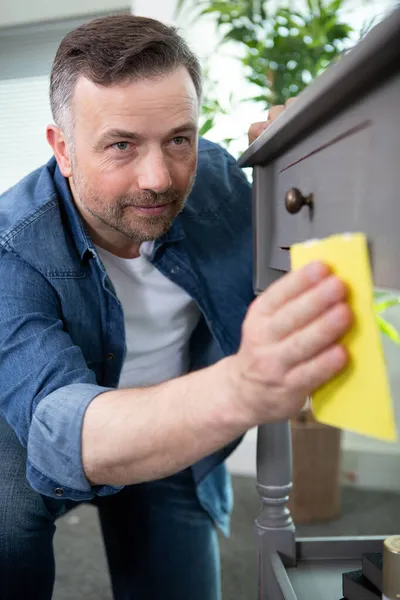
125	93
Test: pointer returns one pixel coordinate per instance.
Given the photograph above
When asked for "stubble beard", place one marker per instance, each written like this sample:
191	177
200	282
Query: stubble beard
118	216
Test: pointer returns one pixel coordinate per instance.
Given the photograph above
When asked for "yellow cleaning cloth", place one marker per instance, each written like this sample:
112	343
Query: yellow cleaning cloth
359	398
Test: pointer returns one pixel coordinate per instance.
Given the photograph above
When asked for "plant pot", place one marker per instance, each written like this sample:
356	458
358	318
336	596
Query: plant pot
316	471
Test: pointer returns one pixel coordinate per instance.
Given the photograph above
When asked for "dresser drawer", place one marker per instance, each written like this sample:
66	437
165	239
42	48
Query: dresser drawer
349	171
332	179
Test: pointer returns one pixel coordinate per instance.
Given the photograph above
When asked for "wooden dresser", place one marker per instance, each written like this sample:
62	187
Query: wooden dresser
329	164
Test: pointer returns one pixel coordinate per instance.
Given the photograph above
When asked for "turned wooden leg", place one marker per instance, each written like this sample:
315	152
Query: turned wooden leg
274	526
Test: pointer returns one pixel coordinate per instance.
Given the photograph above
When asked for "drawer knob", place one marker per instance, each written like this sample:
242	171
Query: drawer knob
294	201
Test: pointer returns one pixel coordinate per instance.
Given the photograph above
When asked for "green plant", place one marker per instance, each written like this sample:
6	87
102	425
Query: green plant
381	304
282	50
211	105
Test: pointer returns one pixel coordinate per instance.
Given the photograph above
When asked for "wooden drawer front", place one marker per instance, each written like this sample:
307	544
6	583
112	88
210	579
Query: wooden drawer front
335	175
351	165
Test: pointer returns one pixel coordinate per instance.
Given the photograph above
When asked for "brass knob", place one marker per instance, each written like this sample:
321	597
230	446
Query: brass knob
294	201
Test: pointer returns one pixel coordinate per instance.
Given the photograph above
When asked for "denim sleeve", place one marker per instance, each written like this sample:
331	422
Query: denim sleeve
46	385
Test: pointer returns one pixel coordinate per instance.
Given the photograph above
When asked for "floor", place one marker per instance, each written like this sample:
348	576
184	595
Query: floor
82	570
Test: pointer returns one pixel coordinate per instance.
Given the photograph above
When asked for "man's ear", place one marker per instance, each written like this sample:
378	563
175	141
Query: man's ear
56	139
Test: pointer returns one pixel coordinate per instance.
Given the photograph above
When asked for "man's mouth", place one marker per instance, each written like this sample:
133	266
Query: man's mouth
152	210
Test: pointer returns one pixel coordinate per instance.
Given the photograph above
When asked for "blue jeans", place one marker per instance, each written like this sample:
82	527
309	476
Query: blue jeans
160	543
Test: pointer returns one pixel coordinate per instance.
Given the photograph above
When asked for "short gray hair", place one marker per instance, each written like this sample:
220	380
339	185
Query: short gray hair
114	49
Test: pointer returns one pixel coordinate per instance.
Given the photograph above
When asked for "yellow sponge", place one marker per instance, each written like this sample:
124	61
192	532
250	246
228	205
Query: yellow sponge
359	398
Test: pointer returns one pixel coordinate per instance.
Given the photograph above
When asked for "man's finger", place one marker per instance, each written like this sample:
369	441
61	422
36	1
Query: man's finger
312	374
316	337
304	309
290	101
275	111
256	130
290	286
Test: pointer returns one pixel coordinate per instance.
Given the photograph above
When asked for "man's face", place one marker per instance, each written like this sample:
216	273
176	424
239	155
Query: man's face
134	155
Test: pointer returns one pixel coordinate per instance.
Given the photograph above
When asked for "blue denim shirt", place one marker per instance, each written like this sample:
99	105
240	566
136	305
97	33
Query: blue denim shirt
62	338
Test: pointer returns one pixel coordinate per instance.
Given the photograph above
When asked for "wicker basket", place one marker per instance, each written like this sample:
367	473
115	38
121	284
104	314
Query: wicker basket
316	470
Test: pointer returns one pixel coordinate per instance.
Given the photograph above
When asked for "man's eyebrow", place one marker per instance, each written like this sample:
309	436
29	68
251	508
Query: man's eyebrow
116	134
121	134
189	126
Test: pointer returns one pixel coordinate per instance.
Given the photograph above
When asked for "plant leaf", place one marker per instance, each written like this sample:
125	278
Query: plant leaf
388	330
378	294
207	125
382	306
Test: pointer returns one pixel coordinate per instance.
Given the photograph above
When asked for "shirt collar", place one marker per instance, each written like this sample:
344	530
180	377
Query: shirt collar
175	233
81	238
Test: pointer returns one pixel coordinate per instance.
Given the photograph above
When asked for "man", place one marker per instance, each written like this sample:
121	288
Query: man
127	375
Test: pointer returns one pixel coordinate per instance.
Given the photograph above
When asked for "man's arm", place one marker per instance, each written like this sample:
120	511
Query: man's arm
289	348
79	433
134	435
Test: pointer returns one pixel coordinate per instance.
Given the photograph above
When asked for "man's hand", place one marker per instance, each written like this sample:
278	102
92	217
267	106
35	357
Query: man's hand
289	348
256	129
290	344
290	336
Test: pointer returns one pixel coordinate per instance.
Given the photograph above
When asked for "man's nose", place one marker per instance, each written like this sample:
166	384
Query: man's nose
154	173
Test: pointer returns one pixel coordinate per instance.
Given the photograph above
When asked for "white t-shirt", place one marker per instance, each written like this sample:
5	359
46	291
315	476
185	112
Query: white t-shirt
159	319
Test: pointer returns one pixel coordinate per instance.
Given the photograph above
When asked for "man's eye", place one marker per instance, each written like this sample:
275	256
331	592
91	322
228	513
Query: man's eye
180	140
121	146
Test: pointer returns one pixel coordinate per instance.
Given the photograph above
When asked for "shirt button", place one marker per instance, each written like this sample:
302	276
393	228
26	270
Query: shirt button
110	356
59	492
175	270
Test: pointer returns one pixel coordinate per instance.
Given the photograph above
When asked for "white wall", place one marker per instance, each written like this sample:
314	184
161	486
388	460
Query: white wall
18	12
163	10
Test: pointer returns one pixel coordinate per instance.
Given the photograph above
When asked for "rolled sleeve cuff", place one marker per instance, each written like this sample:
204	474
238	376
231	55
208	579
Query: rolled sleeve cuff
54	462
